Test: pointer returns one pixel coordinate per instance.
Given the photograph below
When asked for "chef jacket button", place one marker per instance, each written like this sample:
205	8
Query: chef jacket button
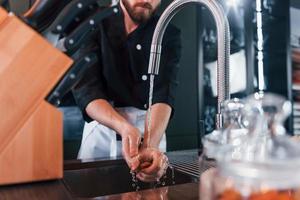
144	77
145	106
138	47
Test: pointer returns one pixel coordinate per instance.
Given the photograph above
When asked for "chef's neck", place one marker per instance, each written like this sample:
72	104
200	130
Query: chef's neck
130	25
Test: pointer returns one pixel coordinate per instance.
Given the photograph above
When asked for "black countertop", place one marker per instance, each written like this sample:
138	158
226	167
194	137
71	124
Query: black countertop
61	190
56	190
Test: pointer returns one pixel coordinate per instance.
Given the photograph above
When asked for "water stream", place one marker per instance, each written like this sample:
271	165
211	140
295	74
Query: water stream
149	109
162	181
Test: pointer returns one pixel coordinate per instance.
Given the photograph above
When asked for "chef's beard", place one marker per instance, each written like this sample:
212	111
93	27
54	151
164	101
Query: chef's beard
135	15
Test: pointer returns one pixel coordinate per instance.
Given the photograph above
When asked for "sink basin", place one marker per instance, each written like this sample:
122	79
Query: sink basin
105	178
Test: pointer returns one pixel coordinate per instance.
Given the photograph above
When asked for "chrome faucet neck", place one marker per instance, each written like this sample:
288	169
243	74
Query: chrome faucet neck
223	45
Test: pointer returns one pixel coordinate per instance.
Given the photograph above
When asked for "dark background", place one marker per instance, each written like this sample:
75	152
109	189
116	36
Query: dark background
192	98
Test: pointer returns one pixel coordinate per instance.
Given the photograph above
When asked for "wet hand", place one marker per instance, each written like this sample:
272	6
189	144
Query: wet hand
131	139
152	165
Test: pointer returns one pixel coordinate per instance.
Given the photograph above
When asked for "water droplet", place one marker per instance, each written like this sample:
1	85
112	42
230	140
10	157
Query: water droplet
134	180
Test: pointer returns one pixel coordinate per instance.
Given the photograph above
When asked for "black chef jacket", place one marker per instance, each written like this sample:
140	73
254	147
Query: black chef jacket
120	76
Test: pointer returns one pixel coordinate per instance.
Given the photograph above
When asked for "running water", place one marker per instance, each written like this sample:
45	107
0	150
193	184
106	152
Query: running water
162	181
135	183
149	108
172	173
149	129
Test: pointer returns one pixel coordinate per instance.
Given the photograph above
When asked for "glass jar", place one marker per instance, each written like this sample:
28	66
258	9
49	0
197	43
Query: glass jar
265	168
232	131
217	185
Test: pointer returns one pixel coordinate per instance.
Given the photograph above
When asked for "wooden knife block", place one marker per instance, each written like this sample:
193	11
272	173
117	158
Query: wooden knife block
30	128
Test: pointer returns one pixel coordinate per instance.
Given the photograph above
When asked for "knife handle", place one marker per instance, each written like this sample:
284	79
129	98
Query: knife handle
71	78
69	13
80	34
5	4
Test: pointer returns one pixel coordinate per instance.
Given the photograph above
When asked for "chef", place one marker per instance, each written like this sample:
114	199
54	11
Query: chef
113	95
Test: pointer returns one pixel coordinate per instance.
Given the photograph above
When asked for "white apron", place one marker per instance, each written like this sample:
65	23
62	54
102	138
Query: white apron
99	141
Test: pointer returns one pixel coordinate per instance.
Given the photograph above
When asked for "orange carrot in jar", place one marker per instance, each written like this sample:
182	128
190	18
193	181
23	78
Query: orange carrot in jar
230	195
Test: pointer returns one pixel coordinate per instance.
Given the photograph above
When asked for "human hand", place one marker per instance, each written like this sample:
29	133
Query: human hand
131	139
152	165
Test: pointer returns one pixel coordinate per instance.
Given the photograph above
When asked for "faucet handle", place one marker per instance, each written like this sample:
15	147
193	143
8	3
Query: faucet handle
154	60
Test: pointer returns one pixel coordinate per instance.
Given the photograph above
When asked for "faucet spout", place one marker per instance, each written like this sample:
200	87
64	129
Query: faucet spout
223	35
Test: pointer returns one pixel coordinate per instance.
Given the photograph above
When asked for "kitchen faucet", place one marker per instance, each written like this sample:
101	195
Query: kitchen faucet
223	35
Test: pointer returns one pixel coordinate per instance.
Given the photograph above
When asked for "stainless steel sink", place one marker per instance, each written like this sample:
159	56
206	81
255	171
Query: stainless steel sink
110	177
